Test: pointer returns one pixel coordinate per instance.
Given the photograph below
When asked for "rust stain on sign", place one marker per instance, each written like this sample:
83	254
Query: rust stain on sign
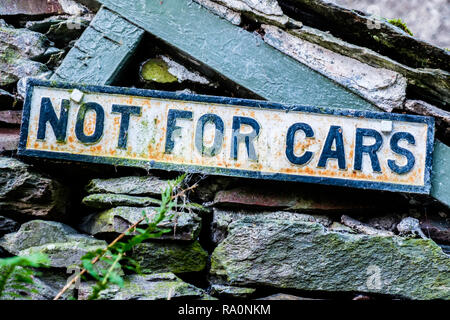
227	136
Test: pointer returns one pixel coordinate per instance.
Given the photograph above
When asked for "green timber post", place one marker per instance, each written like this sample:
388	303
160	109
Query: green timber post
101	52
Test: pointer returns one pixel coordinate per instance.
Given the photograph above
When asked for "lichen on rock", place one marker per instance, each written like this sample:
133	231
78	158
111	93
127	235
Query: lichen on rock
306	256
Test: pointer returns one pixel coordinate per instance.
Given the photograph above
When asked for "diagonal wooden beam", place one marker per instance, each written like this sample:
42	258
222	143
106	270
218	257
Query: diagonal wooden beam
235	53
102	50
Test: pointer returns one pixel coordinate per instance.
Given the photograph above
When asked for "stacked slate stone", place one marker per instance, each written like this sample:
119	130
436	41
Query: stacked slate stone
248	239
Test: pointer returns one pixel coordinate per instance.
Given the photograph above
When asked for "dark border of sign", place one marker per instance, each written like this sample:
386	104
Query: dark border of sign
31	83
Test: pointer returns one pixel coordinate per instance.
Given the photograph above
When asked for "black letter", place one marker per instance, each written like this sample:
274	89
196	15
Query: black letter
399	150
237	137
171	126
48	114
126	111
99	122
335	134
370	150
309	133
218	136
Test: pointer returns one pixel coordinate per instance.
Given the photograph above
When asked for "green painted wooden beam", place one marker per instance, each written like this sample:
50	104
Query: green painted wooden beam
235	53
440	177
101	52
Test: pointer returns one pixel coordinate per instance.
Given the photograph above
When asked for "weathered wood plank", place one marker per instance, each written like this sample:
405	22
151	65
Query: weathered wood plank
102	50
237	54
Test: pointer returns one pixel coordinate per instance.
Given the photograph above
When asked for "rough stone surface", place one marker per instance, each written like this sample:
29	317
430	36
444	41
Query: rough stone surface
363	228
385	88
29	7
170	257
158	286
426	109
25	194
67	30
18	50
62	244
223	291
222	11
8	225
111	200
147	185
222	220
410	226
183	225
283	297
40	7
264	10
427	20
431	84
302	199
9	139
387	222
10	117
46	286
306	256
64	255
438	230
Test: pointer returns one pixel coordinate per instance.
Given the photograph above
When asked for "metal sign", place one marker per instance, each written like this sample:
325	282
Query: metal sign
227	136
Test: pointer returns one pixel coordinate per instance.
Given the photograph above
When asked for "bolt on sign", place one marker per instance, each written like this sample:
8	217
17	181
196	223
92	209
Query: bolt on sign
227	136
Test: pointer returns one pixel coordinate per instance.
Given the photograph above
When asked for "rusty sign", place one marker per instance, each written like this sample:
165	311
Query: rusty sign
227	136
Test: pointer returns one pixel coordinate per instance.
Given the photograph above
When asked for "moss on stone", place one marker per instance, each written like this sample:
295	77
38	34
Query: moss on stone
402	25
157	70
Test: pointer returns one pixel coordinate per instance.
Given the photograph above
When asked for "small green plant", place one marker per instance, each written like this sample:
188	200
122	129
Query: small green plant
16	274
399	23
113	259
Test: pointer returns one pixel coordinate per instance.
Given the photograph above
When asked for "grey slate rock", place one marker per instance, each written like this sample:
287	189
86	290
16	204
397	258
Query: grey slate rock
183	225
384	88
438	230
223	218
262	10
146	185
26	194
426	109
62	244
364	228
111	200
8	225
430	84
224	291
306	256
158	286
176	257
360	28
19	51
222	11
45	287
